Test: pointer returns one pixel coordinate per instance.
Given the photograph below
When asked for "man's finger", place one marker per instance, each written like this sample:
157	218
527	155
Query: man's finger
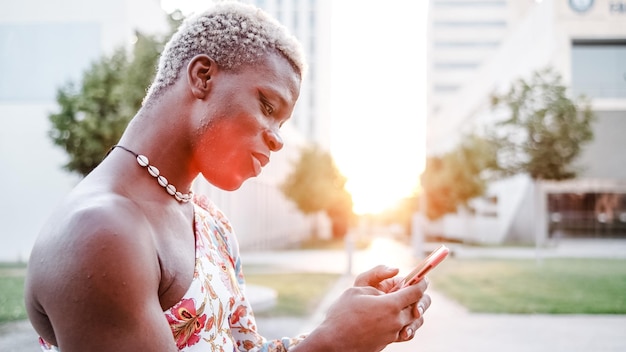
375	276
417	318
411	294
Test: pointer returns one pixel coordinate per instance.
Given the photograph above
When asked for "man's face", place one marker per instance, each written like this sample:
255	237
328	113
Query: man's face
245	110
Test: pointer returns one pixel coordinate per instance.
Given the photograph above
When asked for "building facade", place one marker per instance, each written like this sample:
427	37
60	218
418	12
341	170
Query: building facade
477	48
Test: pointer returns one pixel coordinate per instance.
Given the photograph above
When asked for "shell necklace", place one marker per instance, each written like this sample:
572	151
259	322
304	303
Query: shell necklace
143	161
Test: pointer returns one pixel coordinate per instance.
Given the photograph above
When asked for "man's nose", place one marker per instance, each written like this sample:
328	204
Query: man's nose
273	140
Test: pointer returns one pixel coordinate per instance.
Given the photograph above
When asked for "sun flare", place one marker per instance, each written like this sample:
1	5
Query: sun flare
379	99
374	196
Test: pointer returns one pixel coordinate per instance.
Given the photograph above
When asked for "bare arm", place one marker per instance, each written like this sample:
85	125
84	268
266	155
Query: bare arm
98	285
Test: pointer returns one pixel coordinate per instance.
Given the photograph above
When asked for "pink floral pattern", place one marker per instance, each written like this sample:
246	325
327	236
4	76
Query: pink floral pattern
186	323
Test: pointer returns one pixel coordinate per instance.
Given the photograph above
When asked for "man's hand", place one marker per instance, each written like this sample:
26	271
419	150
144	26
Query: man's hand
384	279
367	318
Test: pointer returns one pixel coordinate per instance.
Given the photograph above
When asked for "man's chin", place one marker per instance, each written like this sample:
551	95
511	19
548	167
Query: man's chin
232	188
230	185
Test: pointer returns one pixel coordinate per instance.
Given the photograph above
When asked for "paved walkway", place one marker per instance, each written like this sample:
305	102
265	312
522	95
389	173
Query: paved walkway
449	327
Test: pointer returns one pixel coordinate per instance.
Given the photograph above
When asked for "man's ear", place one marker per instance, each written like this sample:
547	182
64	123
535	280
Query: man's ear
199	72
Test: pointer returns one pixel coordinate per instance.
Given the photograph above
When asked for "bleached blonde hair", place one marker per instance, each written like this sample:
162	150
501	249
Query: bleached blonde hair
231	33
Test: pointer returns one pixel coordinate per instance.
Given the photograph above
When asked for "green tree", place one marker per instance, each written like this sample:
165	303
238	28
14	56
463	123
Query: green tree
453	179
316	184
544	131
93	115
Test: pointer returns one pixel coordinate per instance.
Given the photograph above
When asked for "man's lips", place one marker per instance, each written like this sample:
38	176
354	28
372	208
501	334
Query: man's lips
262	158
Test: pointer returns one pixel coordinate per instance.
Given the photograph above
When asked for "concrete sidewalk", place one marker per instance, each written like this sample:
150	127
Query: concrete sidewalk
449	327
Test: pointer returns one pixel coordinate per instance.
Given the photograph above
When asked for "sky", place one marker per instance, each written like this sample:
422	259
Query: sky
378	96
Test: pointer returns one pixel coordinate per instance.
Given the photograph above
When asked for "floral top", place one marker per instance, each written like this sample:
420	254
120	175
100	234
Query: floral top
214	314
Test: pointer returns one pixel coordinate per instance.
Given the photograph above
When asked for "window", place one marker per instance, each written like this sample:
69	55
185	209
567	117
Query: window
472	44
445	88
470	23
455	65
494	3
599	68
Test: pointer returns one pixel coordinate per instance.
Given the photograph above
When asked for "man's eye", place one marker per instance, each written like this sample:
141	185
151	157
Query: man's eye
268	108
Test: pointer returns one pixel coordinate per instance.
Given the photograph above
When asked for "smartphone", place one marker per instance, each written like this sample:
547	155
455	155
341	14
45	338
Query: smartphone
433	259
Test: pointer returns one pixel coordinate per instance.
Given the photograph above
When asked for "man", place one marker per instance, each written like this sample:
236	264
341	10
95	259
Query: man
132	261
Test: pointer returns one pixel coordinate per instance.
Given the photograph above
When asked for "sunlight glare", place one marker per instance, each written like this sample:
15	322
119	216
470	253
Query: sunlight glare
379	99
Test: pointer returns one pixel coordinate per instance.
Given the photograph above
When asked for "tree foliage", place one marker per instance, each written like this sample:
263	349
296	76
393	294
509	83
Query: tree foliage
542	134
92	115
453	179
316	184
544	131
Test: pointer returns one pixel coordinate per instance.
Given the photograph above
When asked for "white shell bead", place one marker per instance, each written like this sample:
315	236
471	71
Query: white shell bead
142	160
153	171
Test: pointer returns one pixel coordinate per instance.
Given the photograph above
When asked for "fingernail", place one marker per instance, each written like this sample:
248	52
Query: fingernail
420	309
409	333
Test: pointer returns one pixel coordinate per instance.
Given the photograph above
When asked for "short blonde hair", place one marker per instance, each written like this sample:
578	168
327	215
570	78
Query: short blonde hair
231	33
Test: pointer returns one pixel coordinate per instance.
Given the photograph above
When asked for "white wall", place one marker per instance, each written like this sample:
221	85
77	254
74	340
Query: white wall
506	220
528	47
31	177
30	165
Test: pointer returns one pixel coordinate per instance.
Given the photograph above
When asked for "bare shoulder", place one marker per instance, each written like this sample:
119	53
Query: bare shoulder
95	256
94	235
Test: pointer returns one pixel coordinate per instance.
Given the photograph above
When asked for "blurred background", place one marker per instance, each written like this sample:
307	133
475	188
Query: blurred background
410	104
495	126
490	122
